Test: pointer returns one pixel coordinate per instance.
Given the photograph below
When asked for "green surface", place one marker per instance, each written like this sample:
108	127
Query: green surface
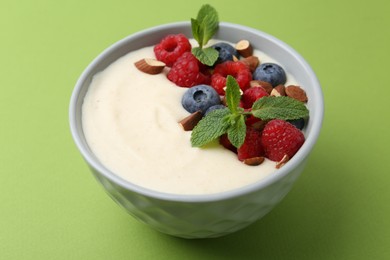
52	208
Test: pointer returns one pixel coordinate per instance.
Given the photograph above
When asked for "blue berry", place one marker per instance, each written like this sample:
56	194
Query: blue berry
200	97
298	123
270	72
215	107
226	52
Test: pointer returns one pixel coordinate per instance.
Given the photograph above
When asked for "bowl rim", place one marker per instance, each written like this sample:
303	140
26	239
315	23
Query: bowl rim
199	198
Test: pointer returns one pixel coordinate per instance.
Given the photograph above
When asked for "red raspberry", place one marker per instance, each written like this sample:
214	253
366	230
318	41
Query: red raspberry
236	69
281	138
252	146
225	142
251	95
254	122
171	48
187	71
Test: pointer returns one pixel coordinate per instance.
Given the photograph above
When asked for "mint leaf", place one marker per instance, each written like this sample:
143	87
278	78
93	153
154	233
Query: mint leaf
207	56
204	11
230	120
282	107
232	94
237	131
208	19
210	127
203	28
195	27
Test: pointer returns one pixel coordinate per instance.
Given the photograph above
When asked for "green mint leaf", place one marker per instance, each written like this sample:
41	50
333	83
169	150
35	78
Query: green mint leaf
207	56
210	127
195	26
210	27
232	94
204	11
282	107
208	18
237	131
205	25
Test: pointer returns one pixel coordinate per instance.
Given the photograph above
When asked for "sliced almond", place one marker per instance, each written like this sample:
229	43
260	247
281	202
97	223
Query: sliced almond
296	92
252	62
254	83
188	123
244	48
278	91
254	161
259	83
223	101
150	66
282	162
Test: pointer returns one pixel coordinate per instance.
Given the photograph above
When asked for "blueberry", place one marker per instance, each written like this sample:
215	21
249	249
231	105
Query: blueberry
270	72
226	52
215	107
200	97
298	123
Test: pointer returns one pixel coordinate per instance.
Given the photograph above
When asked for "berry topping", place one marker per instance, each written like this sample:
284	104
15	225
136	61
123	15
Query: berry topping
281	138
225	52
270	72
225	142
251	95
252	146
187	71
200	98
215	107
171	48
238	70
254	122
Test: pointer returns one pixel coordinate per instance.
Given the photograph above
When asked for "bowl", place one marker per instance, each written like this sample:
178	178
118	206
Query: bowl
208	215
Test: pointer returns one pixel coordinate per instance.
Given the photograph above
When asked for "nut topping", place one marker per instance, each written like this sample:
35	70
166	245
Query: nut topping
244	48
296	92
278	91
282	162
254	161
259	83
150	66
252	62
188	123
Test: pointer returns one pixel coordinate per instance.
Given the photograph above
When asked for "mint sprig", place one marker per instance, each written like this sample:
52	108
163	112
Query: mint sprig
237	131
282	107
203	28
231	120
207	56
210	127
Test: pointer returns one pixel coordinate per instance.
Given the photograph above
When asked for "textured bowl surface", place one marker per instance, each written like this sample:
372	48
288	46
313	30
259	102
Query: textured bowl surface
213	215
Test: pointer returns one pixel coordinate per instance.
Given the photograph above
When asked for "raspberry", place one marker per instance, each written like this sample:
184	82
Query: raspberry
281	138
254	122
171	48
225	142
252	146
251	95
187	71
236	69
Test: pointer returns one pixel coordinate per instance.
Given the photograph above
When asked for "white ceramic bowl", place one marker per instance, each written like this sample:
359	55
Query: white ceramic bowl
201	216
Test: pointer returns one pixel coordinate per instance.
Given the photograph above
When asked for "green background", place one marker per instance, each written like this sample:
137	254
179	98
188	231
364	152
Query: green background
52	208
